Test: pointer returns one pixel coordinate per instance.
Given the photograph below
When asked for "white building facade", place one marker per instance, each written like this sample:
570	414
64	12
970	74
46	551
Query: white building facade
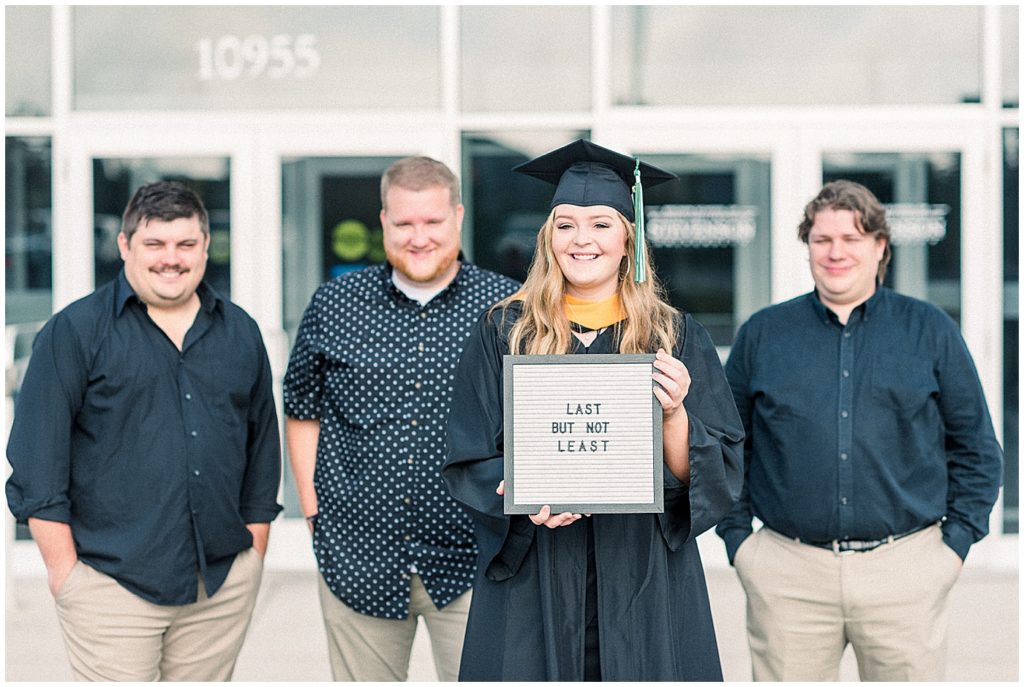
284	118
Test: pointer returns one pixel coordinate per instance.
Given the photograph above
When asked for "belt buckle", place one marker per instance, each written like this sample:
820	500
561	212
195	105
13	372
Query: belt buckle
836	550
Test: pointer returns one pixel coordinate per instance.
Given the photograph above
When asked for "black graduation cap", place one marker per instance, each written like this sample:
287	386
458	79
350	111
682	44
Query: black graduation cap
587	174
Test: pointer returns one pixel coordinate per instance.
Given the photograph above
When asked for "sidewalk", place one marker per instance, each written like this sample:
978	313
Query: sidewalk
286	640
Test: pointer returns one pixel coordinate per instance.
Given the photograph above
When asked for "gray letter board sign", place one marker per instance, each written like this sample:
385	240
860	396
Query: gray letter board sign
582	434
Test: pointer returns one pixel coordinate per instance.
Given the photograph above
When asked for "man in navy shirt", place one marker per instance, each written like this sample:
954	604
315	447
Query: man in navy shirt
367	395
870	459
146	457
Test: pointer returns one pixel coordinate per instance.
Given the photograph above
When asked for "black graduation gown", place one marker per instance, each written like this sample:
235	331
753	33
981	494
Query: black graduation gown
526	619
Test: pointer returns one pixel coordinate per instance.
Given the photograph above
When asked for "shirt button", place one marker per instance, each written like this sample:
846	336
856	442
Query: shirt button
196	473
844	414
420	348
843	456
409	461
188	397
414	423
194	433
407	537
418	385
842	500
846	373
423	315
407	501
846	335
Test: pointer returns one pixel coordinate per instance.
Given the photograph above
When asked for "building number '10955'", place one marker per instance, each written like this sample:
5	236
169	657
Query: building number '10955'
278	57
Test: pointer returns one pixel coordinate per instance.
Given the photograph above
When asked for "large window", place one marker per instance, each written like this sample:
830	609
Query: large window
525	58
807	55
29	231
709	237
202	57
27	61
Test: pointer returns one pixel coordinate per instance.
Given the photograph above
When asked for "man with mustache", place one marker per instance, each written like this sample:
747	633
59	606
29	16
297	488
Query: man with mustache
146	457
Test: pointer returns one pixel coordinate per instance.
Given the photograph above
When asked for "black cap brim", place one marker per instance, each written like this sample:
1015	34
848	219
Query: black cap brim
586	174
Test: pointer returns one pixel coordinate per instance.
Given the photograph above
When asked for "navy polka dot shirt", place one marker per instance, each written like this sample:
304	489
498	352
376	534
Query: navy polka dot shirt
376	369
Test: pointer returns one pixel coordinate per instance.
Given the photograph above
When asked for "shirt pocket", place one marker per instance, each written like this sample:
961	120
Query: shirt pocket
904	384
227	392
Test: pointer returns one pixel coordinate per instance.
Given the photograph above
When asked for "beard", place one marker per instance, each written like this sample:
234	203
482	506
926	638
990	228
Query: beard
424	271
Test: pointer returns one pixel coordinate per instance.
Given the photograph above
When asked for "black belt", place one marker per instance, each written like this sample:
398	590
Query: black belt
838	546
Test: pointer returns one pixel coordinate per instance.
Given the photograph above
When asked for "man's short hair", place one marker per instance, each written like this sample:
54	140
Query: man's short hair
416	174
165	201
868	214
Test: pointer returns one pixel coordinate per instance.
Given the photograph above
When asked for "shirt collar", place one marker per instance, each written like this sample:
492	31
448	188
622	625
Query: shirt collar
209	299
867	308
389	284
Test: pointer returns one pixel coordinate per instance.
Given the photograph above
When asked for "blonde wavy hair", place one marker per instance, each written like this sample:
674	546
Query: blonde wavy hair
543	327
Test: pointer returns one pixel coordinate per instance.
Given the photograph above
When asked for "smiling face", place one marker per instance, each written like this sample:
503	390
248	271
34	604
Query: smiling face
165	261
844	260
589	243
421	234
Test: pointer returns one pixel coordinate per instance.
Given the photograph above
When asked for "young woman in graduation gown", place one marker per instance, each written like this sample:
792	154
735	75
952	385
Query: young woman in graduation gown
611	596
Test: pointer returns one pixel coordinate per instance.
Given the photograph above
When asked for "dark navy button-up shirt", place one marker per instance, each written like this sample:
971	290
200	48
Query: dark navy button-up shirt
860	431
376	369
157	458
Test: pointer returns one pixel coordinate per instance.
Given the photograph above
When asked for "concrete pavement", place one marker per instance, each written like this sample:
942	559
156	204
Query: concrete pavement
286	640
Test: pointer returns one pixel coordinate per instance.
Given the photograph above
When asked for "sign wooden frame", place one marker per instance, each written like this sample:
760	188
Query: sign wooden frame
612	465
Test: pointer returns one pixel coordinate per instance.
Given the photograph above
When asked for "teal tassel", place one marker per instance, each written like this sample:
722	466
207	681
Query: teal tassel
640	273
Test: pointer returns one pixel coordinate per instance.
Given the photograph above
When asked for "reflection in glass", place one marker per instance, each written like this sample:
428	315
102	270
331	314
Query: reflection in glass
27	40
505	210
525	58
116	179
806	55
709	237
268	57
1011	329
921	192
28	262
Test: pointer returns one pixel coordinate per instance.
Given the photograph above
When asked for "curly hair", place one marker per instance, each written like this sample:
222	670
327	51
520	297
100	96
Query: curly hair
868	213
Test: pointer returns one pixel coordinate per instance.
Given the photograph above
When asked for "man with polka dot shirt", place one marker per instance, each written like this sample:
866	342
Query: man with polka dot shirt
366	396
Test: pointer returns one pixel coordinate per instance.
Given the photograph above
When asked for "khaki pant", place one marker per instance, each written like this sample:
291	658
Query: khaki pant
805	604
367	649
113	635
